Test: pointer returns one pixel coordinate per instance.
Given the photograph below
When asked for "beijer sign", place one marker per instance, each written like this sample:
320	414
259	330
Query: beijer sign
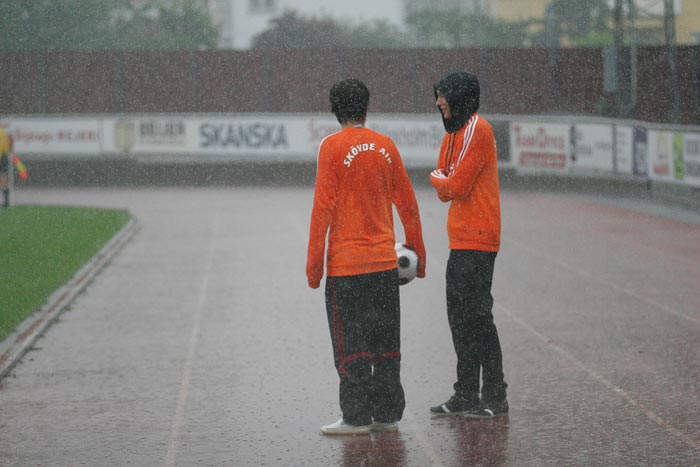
253	135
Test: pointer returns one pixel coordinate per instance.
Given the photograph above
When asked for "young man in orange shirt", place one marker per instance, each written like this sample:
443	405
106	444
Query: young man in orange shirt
360	177
467	177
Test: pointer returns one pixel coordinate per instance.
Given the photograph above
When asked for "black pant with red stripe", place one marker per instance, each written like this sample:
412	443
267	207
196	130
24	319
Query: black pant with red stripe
469	312
364	320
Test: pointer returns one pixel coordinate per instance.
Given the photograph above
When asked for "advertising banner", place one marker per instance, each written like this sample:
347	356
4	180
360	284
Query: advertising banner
624	152
540	147
691	159
55	136
418	139
593	147
534	146
677	152
293	137
231	137
640	152
660	155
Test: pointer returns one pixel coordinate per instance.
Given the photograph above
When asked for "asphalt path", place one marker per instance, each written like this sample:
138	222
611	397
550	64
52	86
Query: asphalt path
200	343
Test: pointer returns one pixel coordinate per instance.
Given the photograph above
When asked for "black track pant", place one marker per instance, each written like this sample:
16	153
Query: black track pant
469	304
364	320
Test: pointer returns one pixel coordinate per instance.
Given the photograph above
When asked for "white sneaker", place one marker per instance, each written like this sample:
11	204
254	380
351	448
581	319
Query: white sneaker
342	428
381	426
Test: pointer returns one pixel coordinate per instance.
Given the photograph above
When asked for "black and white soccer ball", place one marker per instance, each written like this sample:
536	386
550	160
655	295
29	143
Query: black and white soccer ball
408	263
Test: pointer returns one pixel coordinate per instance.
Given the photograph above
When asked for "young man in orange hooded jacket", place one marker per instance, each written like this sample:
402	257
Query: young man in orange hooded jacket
360	177
467	177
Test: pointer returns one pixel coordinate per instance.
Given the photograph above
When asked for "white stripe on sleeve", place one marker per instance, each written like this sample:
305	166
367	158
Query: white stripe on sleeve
468	135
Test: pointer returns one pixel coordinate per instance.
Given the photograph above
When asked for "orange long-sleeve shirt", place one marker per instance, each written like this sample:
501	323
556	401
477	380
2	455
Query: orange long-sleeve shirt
467	176
359	176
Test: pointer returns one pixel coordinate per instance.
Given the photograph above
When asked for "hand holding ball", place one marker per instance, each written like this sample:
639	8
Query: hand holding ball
407	263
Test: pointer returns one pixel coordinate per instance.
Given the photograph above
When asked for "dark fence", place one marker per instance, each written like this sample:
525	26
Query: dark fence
514	81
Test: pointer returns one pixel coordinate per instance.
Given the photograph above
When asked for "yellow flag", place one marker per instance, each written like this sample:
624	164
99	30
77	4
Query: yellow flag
21	169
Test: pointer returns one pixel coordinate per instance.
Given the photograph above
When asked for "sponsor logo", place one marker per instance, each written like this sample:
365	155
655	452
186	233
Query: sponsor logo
540	139
80	136
640	151
678	166
662	162
692	157
62	135
243	135
27	136
692	147
124	137
162	132
542	160
588	146
412	135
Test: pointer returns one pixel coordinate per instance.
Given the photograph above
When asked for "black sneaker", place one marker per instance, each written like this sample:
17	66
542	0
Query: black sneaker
490	409
457	406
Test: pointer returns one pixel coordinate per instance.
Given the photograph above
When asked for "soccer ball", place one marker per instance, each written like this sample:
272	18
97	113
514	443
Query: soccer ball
408	263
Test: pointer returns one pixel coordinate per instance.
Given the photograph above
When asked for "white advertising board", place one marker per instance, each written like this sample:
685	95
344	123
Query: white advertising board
286	137
229	137
672	156
418	139
540	147
593	147
690	174
624	149
55	136
640	151
677	162
660	151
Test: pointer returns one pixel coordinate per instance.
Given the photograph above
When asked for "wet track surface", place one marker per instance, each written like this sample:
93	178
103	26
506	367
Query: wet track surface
201	345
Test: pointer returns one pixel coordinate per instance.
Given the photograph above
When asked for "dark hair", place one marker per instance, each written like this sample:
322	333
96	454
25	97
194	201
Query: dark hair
349	100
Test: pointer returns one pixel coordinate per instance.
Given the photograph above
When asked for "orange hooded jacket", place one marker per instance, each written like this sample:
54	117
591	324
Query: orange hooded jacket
467	175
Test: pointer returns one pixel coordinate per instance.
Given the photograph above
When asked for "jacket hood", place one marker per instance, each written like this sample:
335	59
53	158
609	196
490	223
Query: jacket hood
461	90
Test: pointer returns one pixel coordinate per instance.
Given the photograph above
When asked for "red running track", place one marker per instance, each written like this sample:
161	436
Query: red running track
200	343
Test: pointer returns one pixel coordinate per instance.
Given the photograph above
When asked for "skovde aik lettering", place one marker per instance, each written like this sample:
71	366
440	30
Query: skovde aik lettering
358	149
254	136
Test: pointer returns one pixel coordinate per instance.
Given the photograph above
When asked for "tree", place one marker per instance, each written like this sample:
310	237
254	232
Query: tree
182	25
377	34
428	28
436	28
458	28
292	31
55	24
584	22
43	25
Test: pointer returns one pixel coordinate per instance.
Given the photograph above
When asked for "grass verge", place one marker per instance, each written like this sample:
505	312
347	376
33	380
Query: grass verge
41	248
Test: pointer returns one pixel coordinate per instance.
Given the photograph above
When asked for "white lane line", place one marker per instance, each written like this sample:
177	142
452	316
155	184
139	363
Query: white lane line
660	306
179	420
432	456
693	443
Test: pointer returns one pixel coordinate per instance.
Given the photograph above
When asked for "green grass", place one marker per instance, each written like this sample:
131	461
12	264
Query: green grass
41	248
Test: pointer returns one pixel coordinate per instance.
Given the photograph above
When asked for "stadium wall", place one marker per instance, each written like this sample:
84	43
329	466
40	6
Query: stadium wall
534	81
